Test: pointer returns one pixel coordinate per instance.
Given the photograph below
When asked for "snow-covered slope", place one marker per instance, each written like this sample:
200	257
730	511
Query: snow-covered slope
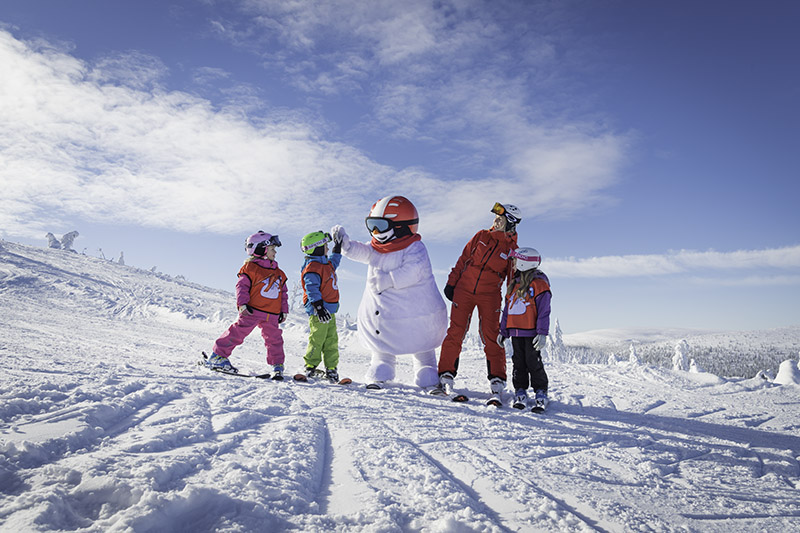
106	424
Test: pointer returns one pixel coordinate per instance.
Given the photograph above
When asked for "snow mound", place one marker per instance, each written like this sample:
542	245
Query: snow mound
788	373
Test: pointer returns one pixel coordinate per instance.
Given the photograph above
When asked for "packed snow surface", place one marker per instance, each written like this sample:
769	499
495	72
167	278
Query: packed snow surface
107	424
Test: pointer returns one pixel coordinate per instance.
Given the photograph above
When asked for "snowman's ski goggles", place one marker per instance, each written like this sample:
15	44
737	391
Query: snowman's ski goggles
382	225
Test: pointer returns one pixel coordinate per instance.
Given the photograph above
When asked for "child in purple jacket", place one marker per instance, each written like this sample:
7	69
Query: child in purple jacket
262	300
526	320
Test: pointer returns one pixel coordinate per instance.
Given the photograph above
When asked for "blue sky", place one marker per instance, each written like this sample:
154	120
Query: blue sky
652	146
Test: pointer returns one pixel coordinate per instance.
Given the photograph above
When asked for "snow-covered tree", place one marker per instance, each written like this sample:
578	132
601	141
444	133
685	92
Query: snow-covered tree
679	359
52	242
694	367
555	344
121	259
68	239
633	357
296	296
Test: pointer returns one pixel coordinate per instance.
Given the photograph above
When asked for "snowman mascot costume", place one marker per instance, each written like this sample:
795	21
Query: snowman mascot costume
401	311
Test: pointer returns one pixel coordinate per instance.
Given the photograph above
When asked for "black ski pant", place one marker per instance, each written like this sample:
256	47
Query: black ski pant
528	366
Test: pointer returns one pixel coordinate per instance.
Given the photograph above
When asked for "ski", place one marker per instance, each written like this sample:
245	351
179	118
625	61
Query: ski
374	386
495	401
519	405
302	378
202	363
442	393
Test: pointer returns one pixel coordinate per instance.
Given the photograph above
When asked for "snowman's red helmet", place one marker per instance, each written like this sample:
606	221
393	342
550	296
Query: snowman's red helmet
392	217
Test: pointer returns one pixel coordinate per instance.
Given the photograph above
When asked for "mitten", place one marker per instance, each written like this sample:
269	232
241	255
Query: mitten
448	292
245	310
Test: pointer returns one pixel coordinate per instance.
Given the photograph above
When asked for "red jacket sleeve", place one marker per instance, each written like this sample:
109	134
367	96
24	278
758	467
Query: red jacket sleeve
463	260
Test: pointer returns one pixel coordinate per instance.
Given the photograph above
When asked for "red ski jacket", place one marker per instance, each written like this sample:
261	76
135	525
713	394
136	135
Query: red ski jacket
484	264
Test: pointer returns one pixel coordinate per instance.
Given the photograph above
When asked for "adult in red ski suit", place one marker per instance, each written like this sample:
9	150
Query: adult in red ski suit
476	281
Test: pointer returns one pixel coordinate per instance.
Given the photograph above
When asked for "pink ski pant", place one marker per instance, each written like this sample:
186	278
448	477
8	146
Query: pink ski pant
239	330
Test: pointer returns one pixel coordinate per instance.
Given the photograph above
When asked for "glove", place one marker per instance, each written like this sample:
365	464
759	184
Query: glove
337	247
501	340
245	310
448	292
322	313
281	318
539	342
380	281
340	238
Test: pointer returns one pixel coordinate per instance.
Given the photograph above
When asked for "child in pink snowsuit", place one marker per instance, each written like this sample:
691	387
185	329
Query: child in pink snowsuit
263	301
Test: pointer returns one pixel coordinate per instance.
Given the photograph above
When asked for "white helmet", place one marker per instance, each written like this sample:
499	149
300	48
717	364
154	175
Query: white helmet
527	258
511	212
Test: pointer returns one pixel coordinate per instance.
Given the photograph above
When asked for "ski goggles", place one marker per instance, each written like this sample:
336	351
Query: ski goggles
274	241
382	225
324	240
500	209
524	257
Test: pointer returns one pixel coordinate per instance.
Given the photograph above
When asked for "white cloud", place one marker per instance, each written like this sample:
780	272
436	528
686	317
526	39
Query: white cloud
483	84
107	143
680	262
74	144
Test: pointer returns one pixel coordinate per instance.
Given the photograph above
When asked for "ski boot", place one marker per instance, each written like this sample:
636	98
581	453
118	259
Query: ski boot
540	401
277	372
520	399
221	364
445	385
498	386
332	375
313	372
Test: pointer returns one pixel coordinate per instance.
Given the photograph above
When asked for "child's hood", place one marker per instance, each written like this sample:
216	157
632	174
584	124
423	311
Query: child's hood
316	258
537	274
264	262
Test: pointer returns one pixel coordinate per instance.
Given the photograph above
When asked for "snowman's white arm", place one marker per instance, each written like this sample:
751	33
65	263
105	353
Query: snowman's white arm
358	251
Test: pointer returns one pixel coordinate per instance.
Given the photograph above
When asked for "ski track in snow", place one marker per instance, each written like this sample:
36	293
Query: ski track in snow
108	424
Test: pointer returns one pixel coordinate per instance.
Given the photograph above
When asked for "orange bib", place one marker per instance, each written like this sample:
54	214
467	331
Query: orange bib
265	286
522	312
328	286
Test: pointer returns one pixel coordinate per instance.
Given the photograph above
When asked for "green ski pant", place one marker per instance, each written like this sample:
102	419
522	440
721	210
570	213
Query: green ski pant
323	343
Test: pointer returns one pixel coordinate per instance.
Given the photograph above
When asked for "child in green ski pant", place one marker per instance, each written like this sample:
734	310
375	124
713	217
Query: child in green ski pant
321	300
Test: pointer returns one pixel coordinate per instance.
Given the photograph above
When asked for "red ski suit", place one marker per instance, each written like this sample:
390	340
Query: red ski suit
478	277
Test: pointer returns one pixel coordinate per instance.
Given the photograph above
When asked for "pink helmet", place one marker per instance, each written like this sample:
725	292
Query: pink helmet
257	243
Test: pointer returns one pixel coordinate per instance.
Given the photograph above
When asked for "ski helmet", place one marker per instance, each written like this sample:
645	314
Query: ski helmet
257	243
511	212
314	240
527	258
392	217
